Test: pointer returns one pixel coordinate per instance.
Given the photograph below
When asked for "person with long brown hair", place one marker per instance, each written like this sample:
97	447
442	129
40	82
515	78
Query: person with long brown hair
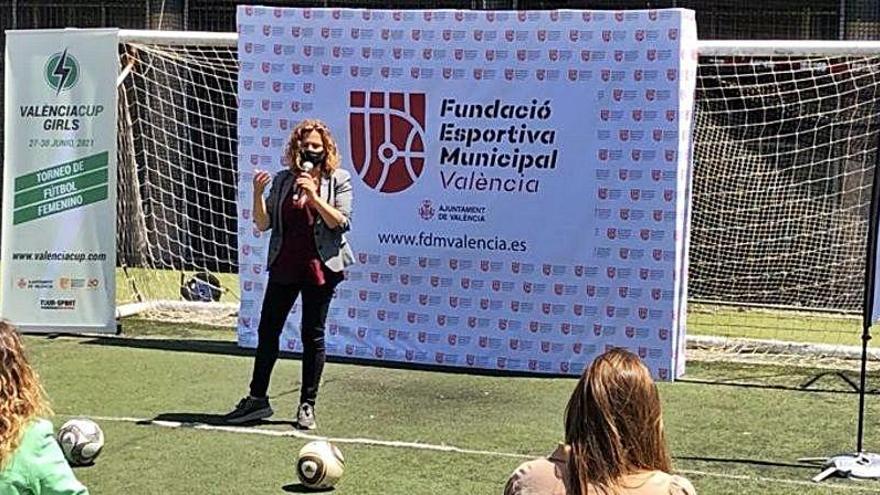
30	459
615	443
309	211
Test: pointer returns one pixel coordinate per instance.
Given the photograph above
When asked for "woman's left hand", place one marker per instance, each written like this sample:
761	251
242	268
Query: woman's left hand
308	185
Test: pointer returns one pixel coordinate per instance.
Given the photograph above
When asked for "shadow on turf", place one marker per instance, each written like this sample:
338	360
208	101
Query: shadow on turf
298	488
231	348
211	419
751	462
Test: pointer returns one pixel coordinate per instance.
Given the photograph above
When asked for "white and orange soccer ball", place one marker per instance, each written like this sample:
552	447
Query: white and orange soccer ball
319	465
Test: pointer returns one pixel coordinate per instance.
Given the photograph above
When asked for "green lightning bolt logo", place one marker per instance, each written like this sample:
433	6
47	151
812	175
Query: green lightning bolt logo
61	71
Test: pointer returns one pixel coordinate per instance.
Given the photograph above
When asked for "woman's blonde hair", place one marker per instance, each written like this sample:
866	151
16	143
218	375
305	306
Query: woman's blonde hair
22	397
614	424
294	144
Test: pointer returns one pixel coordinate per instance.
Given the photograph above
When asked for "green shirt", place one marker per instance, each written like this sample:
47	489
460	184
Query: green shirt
38	467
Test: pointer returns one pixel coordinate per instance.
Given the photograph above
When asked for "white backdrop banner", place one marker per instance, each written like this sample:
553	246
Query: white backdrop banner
59	181
521	178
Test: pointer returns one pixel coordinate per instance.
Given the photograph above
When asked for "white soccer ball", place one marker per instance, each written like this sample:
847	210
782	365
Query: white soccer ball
319	465
81	440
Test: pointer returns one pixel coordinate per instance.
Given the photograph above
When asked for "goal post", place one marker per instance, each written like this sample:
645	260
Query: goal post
786	138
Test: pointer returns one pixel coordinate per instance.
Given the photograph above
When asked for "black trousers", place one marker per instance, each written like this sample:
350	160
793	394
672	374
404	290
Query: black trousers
277	302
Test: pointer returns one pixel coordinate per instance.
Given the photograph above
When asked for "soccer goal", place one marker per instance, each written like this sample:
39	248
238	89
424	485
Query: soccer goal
786	141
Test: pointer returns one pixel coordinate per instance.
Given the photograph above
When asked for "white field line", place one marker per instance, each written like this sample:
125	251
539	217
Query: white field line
446	448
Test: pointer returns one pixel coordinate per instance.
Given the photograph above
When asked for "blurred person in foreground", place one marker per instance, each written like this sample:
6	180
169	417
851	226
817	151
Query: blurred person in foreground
614	438
31	462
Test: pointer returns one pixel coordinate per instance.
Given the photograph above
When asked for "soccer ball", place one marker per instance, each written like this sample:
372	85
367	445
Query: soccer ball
81	440
319	465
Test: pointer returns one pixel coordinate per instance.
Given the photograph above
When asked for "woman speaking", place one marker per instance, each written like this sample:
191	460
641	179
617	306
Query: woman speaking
308	210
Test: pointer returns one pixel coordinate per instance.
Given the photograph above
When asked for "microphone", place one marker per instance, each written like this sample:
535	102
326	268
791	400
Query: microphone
306	167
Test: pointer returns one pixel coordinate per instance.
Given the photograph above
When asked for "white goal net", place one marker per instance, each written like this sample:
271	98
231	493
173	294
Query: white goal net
786	141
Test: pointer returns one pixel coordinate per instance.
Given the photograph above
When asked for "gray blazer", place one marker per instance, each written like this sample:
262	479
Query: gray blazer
333	248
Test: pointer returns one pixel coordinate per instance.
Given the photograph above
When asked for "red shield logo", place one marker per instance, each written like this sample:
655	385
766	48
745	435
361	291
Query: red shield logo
671	74
668	194
605	74
478	74
663	334
352	312
534	326
465	283
635	194
636	155
624	253
652	54
427	53
553	54
501	363
435	281
618	16
451	339
643	313
514	344
484	265
502	324
478	35
577	347
591	290
578	309
410	354
545	346
540	74
618	56
447	35
670	115
508	74
416	35
657	134
558	289
638	74
658	215
643	273
401	131
362	295
603	154
645	234
609	310
411	317
672	34
652	15
381	315
606	36
602	193
470	359
447	72
669	155
643	352
266	67
441	320
393	297
490	55
623	291
611	271
423	336
624	213
545	308
423	299
496	285
404	279
623	134
656	174
325	69
267	30
546	269
563	367
640	35
514	306
597	329
585	55
630	332
414	72
617	94
542	35
657	254
611	233
472	321
354	70
656	294
637	115
579	270
527	287
484	303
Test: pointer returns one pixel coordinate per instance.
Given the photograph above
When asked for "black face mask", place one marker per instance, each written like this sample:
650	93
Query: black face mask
317	158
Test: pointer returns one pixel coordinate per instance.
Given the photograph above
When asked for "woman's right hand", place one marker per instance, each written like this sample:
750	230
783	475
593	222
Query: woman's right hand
261	180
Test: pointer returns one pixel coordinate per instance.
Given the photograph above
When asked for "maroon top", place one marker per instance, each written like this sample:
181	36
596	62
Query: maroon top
298	261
